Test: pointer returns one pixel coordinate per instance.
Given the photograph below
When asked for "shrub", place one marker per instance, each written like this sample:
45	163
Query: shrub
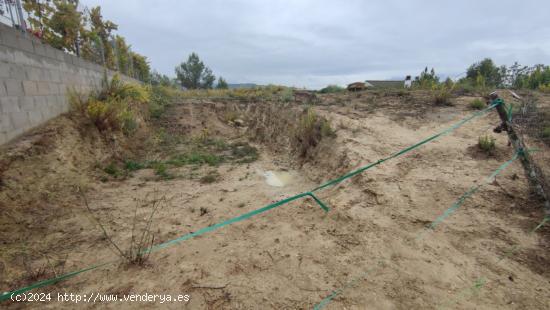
332	89
441	95
545	88
546	132
311	129
161	98
112	107
211	177
131	165
287	95
477	104
486	143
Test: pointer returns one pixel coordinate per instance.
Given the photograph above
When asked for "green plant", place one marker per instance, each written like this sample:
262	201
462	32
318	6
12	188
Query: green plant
441	95
161	170
112	169
486	143
211	177
546	132
477	104
244	153
310	130
330	89
131	165
287	94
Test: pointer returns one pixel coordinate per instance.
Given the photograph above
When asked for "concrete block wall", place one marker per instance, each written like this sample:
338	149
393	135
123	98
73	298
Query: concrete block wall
34	79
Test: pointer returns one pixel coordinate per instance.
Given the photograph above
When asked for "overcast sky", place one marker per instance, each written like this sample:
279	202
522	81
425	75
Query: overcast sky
315	43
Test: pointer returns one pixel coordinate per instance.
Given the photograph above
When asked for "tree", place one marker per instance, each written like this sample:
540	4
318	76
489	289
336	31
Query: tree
193	74
486	71
222	84
39	13
426	79
66	25
102	29
160	79
142	71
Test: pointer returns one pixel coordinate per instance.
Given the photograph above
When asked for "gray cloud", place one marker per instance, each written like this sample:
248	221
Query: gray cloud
314	43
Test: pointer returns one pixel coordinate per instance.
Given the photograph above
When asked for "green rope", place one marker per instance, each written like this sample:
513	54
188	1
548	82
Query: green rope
446	214
7	295
408	149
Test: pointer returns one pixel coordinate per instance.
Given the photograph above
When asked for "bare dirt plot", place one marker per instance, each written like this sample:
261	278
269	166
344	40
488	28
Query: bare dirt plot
294	256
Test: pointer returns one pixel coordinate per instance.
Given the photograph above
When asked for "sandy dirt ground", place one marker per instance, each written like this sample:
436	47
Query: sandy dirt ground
373	242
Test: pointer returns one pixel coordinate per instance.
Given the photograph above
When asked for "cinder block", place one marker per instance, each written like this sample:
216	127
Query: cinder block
27	103
13	87
39	48
25	44
4	70
30	88
9	38
5	122
22	58
50	52
2	89
9	104
17	72
43	88
6	53
35	117
19	119
33	74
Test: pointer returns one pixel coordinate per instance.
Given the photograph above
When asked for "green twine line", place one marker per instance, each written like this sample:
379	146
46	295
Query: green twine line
440	219
470	192
7	295
407	149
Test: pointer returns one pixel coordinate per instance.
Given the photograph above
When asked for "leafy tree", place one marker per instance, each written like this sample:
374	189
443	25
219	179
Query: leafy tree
39	13
101	29
160	79
66	24
193	74
222	84
486	71
142	71
426	80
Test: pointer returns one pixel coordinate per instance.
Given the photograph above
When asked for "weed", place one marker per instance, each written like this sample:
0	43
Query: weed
244	153
546	132
131	165
112	170
311	129
331	89
441	95
211	177
287	94
112	106
477	104
195	158
161	170
486	143
141	241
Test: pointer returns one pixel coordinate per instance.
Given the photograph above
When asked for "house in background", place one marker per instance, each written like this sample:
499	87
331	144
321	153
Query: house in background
385	83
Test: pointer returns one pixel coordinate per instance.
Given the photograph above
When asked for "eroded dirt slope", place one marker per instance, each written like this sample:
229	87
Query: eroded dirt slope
482	256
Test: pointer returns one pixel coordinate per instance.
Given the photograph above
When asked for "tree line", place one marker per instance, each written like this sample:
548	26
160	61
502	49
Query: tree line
63	25
486	74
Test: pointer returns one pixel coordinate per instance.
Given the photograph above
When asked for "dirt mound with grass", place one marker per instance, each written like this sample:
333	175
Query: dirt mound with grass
207	161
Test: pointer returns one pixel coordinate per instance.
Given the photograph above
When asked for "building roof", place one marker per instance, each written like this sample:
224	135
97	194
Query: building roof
385	83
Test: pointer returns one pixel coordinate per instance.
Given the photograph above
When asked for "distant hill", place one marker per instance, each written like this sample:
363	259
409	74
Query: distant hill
242	85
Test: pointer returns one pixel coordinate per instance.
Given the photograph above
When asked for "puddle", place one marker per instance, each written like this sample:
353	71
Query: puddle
277	179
